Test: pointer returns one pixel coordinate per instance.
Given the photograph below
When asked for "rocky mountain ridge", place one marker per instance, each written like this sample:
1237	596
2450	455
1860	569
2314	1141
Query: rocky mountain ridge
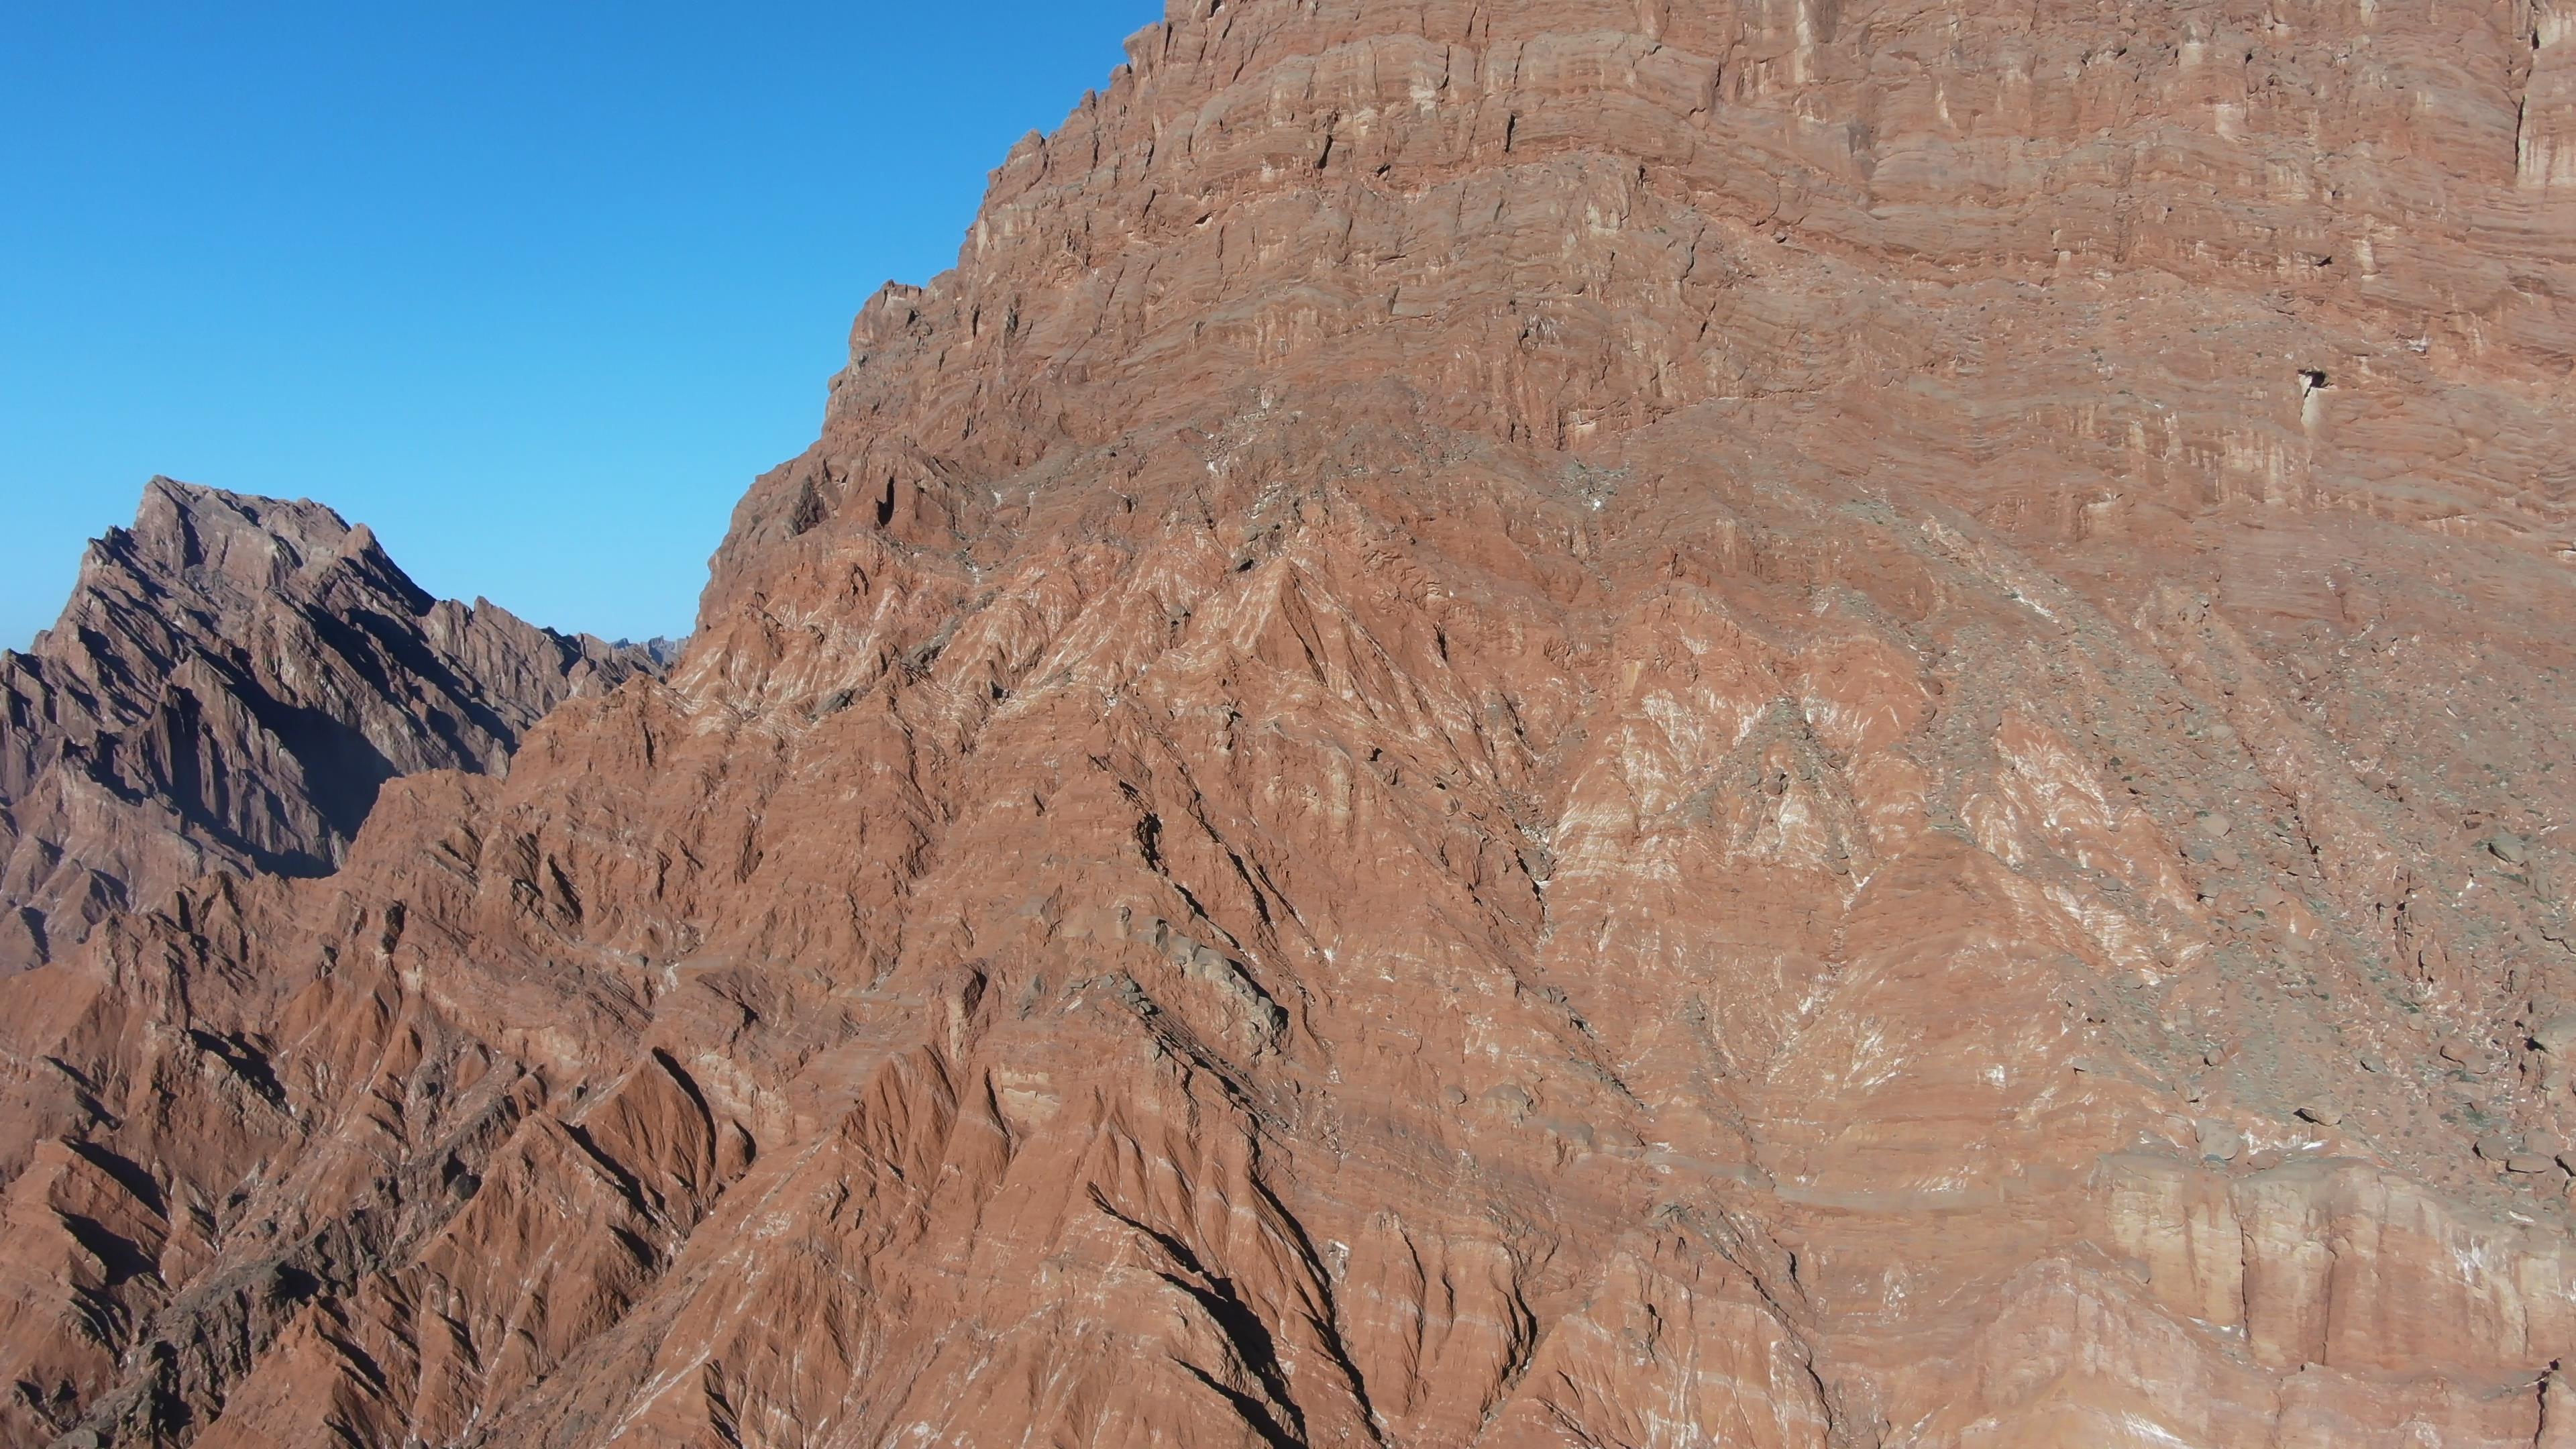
1585	723
230	685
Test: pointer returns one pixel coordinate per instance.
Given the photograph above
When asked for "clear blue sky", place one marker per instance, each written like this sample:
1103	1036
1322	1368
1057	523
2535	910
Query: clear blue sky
535	288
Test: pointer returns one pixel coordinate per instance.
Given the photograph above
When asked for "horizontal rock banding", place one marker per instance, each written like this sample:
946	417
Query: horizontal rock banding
1579	722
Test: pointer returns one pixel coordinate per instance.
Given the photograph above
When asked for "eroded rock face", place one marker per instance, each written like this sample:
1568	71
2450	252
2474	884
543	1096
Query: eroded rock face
232	682
1596	723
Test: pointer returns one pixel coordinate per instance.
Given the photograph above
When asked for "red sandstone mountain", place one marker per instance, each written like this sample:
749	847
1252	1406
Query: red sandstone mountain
233	681
1589	723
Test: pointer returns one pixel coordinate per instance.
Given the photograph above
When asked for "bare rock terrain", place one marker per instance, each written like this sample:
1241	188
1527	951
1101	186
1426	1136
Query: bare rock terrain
1598	722
232	682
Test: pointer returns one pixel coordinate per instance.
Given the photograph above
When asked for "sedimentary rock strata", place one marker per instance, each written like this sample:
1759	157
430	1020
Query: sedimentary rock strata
232	682
1598	723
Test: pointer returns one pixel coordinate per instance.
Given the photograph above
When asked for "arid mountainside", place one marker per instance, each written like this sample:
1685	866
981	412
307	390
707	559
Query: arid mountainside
1596	722
232	682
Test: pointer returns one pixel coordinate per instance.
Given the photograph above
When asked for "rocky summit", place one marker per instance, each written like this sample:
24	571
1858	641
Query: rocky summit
233	681
1592	722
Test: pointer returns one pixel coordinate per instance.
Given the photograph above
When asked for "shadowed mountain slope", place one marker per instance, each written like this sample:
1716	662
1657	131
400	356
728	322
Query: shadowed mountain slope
232	682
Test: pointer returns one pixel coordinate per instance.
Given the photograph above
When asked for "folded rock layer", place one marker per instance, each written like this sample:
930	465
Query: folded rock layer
232	682
1597	722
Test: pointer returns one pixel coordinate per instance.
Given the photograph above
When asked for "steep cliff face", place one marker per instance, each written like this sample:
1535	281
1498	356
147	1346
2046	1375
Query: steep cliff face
232	682
1599	723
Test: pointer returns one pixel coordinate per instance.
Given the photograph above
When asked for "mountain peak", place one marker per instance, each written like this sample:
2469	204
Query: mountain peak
231	682
242	540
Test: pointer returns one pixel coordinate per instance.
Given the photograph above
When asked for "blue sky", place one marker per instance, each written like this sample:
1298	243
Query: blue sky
534	288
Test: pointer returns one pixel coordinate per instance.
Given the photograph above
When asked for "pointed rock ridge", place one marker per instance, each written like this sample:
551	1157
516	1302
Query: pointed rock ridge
1505	728
226	548
231	683
662	649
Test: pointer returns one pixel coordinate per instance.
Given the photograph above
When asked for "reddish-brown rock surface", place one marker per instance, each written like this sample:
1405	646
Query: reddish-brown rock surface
1596	722
232	682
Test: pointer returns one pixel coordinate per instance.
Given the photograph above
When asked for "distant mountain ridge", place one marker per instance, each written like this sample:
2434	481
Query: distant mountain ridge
662	648
232	680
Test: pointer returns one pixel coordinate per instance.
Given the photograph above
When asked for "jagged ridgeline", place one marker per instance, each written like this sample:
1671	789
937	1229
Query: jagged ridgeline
230	686
1589	723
